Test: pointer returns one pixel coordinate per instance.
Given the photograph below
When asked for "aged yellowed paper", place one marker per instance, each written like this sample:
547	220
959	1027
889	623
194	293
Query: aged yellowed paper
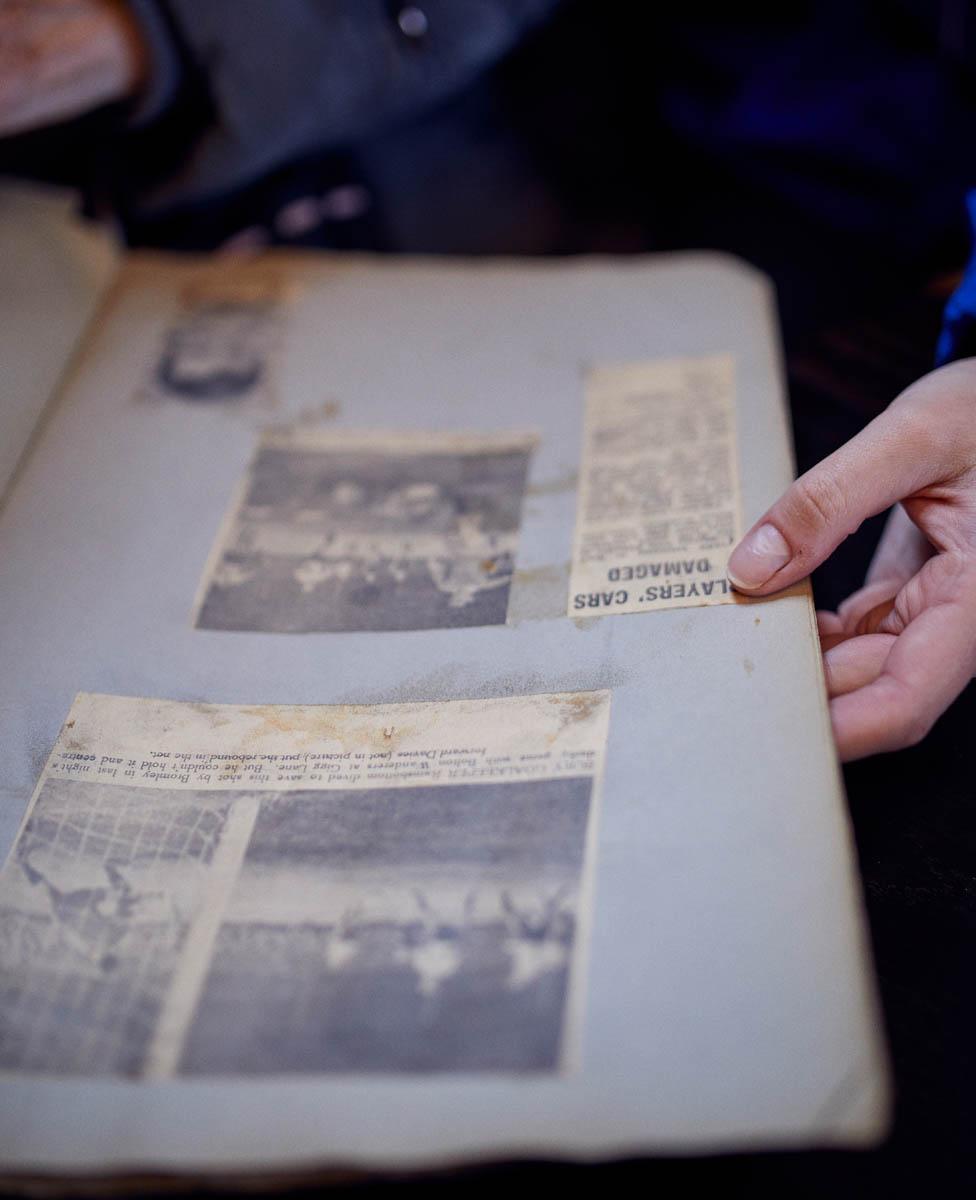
205	890
659	505
345	531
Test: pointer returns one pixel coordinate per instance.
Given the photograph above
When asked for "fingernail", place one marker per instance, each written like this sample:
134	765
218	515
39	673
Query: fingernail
758	557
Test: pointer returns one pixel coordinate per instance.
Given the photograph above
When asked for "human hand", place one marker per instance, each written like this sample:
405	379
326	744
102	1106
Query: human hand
61	58
899	650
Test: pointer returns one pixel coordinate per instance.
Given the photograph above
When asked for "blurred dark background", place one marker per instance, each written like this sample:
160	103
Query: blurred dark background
830	144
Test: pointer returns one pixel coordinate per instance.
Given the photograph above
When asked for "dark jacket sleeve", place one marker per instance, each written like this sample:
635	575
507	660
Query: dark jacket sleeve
300	76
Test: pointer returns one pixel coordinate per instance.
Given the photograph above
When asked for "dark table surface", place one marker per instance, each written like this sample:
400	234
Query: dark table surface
914	817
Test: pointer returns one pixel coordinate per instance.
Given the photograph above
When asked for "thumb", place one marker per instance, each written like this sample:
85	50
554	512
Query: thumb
890	459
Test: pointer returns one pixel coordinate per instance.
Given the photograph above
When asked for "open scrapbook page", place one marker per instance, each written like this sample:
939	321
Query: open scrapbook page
390	774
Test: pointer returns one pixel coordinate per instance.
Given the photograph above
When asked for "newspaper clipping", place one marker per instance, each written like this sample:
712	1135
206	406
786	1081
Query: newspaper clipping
659	504
209	890
220	346
356	532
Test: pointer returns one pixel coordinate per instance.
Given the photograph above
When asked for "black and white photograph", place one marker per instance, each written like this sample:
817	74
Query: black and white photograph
214	353
96	903
153	931
219	347
410	929
384	533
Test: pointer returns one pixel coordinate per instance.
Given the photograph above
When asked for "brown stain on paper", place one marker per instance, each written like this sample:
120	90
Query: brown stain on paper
210	711
585	623
537	575
577	708
310	416
351	730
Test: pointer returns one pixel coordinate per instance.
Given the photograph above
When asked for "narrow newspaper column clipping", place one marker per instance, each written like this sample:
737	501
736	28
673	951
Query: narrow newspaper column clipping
659	506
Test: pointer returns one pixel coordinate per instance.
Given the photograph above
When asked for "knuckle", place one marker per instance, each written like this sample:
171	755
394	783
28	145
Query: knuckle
817	501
